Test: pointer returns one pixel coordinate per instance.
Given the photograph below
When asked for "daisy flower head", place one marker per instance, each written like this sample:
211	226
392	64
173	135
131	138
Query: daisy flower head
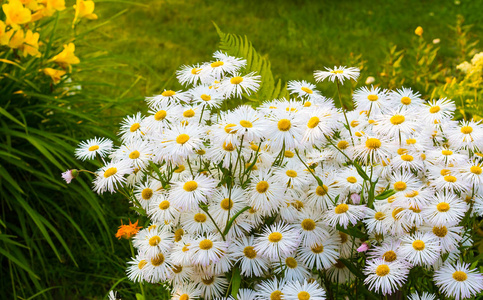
291	268
310	226
385	277
405	98
90	148
344	214
208	249
422	296
297	290
472	173
138	152
196	221
111	176
340	73
374	221
249	123
277	239
264	193
421	249
131	128
458	281
270	289
373	149
449	236
251	263
303	89
223	64
236	85
189	75
211	286
468	135
147	191
445	209
169	96
321	255
285	130
396	125
135	269
179	142
373	100
320	197
153	240
160	115
319	123
187	194
158	268
161	210
389	251
203	95
438	110
186	291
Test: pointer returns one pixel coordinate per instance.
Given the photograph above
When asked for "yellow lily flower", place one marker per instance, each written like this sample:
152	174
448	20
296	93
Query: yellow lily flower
66	58
56	75
419	31
16	13
4	36
51	6
84	9
17	39
31	44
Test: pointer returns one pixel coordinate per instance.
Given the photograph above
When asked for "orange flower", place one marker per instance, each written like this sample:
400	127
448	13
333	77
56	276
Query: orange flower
127	231
419	31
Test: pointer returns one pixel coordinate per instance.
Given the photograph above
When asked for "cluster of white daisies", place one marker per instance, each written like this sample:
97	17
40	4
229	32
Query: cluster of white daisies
289	195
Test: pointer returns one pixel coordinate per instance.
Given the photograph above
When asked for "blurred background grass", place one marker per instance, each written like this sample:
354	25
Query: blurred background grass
139	45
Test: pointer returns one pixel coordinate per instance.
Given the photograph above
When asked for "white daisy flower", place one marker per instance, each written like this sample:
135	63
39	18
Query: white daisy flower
196	221
187	194
157	269
111	176
405	98
186	291
449	237
270	289
169	96
295	290
472	173
397	125
458	281
277	240
468	135
211	286
373	100
389	251
319	123
303	89
421	249
138	152
131	129
203	95
285	130
291	268
135	270
445	209
385	277
438	110
147	191
248	123
152	241
423	296
224	64
264	193
237	85
344	214
208	250
321	255
244	253
311	228
374	221
90	148
160	210
189	75
180	274
373	150
321	197
340	73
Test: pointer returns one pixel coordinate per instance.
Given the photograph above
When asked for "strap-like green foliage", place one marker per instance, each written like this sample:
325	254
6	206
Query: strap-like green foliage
240	46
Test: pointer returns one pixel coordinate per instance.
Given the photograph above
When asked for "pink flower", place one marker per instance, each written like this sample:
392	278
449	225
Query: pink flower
363	248
69	175
356	199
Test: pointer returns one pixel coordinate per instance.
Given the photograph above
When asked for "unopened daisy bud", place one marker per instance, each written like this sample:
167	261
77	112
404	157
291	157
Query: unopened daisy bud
363	248
356	198
69	175
370	79
419	31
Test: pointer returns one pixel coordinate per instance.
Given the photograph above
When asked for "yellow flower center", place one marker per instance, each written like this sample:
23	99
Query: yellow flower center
415	209
109	172
164	205
307	104
181	168
317	248
401	151
288	154
208	281
303	295
395	213
372	97
217	64
190	186
342	145
205	97
406	100
373	143
389	256
157	260
307	90
147	193
418	245
450	178
476	170
142	263
182	138
133	155
400	186
228	147
177	269
313	122
276	295
246	124
178	234
134	127
341	208
351	179
442	207
291	262
466	130
200	218
343	237
291	173
379	216
440	231
284	125
411	141
434	109
308	224
154	241
186	248
412	194
250	252
407	157
195	71
184	297
236	80
229	126
189	113
445	172
460	276
93	148
206	244
275	237
391	199
298	204
160	115
226	204
337	71
322	190
397	119
354	123
168	93
447	152
262	186
382	270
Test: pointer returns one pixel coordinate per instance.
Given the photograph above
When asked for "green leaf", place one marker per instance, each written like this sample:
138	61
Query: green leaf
235	282
230	223
352	268
353	231
8	115
386	194
361	171
139	296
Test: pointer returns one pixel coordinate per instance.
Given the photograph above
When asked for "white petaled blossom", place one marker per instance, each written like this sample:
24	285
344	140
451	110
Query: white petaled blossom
290	195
